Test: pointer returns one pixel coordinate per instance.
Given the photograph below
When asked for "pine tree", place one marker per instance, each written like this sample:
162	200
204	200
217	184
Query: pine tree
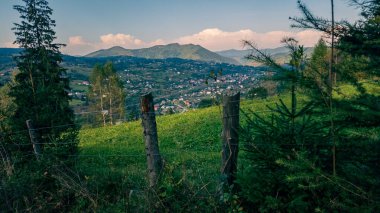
362	38
41	87
268	140
288	152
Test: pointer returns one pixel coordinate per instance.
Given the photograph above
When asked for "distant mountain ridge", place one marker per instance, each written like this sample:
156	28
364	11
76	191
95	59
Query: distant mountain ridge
188	51
279	54
7	52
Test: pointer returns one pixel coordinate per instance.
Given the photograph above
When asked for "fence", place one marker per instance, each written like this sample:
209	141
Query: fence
197	158
180	155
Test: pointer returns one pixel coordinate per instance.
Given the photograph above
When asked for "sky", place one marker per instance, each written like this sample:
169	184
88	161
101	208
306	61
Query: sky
88	25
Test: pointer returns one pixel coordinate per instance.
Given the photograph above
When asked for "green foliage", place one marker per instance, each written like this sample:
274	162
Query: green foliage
318	65
177	193
39	92
206	102
288	154
257	92
6	108
40	89
231	202
106	94
268	140
36	186
287	164
362	37
190	146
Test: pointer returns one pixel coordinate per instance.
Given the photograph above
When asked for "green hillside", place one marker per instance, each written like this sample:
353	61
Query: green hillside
113	160
280	54
188	51
113	51
189	143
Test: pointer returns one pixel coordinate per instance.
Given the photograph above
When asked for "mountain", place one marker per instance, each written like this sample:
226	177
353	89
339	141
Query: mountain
113	51
6	57
7	52
280	54
188	51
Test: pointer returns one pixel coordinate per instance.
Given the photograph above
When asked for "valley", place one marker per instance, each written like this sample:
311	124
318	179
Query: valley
177	84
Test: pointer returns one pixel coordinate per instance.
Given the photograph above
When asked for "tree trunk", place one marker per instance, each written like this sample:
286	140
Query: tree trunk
110	102
101	106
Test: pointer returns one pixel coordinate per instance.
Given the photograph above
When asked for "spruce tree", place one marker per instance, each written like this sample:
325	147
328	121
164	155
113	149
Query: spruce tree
40	90
288	152
362	38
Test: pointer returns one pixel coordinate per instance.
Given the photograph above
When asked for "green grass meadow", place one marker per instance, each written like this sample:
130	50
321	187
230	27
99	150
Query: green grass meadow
189	143
113	162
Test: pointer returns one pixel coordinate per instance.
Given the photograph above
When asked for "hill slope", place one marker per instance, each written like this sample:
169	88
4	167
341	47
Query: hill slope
279	54
112	159
188	51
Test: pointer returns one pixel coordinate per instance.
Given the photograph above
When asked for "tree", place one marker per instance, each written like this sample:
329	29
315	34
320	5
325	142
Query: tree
39	92
310	21
289	151
316	73
268	141
346	178
257	92
6	108
106	94
362	38
40	89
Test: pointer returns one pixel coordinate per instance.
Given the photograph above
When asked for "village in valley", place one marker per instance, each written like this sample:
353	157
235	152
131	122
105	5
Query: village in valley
177	85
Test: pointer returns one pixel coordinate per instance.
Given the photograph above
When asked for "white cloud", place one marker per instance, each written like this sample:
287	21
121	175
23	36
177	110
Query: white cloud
119	39
216	39
77	45
213	38
77	40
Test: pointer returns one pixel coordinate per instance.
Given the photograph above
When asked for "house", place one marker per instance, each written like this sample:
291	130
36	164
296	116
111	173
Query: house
156	107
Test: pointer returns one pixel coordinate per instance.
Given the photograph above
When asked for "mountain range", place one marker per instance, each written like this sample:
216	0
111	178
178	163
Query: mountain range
279	54
188	51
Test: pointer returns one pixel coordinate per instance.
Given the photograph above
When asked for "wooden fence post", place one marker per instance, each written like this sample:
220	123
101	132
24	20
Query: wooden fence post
33	134
230	138
5	156
148	119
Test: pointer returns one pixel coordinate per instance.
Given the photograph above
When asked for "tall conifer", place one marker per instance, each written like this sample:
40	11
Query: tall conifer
41	87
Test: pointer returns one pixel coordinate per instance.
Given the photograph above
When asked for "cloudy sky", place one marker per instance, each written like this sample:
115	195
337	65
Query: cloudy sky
88	25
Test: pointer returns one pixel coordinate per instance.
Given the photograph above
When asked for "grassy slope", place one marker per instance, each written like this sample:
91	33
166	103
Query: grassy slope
189	143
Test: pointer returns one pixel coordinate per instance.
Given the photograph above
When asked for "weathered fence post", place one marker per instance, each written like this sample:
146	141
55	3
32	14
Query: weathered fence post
7	163
34	138
148	119
230	138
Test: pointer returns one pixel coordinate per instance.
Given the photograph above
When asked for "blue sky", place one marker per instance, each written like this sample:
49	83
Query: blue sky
87	25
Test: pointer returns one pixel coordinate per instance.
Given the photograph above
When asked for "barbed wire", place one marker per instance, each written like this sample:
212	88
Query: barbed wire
243	114
192	144
267	103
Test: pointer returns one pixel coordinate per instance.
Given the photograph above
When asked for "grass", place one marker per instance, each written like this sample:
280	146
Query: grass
112	159
189	144
77	86
349	91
